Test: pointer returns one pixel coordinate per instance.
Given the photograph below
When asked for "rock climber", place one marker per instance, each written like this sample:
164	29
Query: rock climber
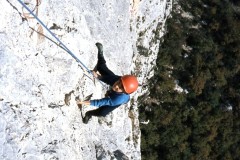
121	87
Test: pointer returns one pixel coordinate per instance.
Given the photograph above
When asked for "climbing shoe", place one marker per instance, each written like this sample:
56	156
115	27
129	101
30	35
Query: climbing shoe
100	48
87	118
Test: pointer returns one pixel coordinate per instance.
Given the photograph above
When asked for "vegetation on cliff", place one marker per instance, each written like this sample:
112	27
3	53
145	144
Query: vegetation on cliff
201	53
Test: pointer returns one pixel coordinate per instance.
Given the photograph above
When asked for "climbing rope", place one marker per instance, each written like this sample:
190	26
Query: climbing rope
60	42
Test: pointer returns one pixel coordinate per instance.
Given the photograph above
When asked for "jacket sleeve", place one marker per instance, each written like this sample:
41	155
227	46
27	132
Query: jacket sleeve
110	101
101	102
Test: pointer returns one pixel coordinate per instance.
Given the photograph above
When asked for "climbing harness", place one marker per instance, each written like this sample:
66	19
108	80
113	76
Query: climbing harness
60	42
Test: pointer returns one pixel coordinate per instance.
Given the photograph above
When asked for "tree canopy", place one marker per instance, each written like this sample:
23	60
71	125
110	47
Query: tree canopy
201	53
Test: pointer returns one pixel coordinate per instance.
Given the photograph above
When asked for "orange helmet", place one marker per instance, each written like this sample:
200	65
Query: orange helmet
130	83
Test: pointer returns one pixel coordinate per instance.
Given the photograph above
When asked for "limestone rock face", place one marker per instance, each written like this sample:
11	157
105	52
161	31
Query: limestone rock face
39	80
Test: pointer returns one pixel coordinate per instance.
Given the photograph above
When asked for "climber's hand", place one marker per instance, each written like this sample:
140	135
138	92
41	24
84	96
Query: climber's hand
96	74
83	102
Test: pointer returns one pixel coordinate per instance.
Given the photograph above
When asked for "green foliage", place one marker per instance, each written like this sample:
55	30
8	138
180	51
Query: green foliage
204	121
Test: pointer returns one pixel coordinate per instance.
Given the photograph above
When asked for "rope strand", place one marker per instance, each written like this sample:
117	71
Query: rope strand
60	42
